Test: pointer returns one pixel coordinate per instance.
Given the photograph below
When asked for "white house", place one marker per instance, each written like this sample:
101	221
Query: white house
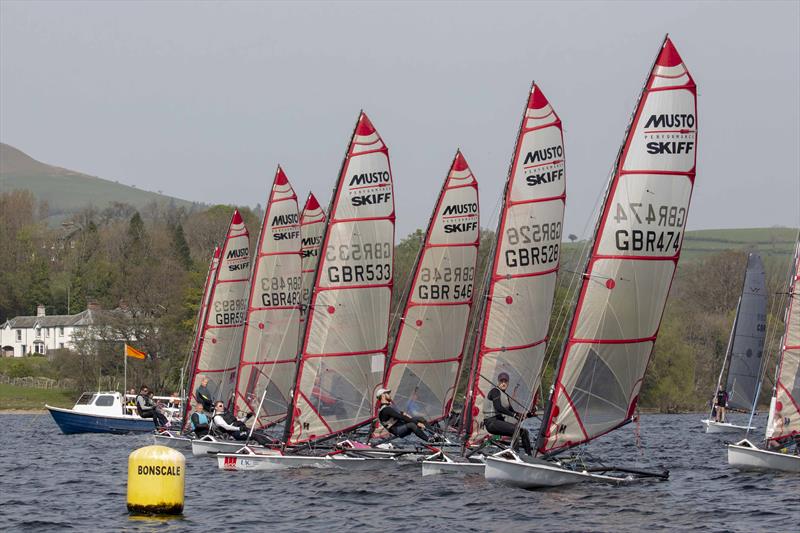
39	334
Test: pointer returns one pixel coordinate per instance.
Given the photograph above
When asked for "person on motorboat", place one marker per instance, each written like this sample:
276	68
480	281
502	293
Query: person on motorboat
721	405
199	421
399	423
225	422
147	409
203	395
498	408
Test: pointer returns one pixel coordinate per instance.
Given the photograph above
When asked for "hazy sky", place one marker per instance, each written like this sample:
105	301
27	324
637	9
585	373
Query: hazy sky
201	101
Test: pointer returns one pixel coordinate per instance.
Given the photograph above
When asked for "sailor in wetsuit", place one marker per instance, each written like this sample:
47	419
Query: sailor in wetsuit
225	422
203	395
498	408
396	422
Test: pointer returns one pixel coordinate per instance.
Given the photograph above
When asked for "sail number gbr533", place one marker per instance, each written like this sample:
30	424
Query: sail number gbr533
373	262
665	238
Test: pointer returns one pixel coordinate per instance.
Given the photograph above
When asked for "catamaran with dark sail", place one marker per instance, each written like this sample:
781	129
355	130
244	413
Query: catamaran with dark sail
743	356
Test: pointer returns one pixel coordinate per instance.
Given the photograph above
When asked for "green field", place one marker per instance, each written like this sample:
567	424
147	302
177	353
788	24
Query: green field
12	397
770	242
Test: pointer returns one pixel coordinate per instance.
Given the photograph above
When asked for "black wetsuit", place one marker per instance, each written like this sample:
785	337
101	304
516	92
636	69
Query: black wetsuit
496	424
398	424
146	409
237	429
203	396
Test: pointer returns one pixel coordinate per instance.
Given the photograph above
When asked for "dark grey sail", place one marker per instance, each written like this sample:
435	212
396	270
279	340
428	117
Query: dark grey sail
748	338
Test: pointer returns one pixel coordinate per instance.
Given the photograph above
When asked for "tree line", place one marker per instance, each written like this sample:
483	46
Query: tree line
152	265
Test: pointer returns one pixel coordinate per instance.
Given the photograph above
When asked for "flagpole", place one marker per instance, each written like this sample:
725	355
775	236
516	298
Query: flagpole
125	379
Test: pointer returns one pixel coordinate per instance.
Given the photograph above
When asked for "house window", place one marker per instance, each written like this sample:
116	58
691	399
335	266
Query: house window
60	345
38	333
38	348
19	335
61	331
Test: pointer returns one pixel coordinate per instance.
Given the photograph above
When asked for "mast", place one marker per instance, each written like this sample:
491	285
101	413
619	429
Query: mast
524	266
345	343
268	350
428	349
198	328
224	319
312	227
784	413
628	274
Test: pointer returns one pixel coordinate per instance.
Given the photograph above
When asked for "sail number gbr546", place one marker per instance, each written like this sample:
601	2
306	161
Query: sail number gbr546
665	237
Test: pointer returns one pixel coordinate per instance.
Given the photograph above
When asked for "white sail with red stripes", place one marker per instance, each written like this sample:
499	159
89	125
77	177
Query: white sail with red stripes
428	350
268	353
201	320
345	344
222	327
784	413
633	258
312	227
520	292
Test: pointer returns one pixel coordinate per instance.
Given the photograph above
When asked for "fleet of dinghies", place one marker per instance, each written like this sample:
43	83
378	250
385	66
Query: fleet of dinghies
303	342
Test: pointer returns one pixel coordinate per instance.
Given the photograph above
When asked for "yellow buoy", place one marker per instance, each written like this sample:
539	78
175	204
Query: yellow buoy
156	480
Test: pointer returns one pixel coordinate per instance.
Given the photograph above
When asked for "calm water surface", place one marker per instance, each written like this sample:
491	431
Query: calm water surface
55	482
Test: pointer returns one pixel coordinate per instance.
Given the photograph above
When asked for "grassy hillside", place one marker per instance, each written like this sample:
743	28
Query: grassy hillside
67	191
770	242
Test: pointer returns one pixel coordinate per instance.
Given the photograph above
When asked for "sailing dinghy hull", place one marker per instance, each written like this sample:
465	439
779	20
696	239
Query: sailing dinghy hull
270	460
712	426
435	468
210	446
518	473
744	455
173	440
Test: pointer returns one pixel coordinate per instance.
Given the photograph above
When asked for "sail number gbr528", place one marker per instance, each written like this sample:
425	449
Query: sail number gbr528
376	258
532	244
668	219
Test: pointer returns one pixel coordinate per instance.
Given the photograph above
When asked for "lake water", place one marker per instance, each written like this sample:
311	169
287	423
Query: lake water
51	481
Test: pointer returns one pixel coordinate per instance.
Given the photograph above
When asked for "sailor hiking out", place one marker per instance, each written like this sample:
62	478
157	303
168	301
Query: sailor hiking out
226	423
499	407
399	423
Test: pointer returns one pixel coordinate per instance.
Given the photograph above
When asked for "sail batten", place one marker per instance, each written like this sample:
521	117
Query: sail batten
271	327
428	349
222	325
629	272
345	343
523	268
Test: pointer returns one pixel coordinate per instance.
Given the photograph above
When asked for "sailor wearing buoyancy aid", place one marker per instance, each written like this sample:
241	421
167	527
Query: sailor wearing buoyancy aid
498	407
397	422
199	421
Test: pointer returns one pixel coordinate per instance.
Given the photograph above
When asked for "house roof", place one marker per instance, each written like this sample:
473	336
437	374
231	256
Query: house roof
88	317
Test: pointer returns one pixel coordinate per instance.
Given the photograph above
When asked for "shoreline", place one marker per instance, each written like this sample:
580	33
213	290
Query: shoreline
23	411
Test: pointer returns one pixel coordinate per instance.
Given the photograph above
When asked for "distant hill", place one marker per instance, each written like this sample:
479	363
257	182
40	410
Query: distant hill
770	242
67	191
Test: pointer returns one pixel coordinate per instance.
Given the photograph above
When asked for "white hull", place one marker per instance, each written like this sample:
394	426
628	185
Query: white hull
435	468
540	474
745	456
362	463
712	426
173	440
210	446
270	461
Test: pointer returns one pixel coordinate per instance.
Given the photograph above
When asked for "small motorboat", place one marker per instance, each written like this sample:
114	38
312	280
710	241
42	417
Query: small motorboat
102	412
